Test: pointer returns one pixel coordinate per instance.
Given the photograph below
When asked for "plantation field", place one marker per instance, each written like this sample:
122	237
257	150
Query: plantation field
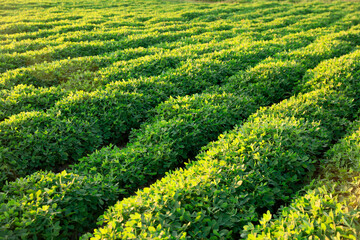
154	119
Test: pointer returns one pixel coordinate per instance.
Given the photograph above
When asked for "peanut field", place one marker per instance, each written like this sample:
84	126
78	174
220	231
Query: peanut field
155	119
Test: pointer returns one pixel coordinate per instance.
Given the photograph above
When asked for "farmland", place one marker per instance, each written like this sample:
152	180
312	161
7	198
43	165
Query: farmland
153	119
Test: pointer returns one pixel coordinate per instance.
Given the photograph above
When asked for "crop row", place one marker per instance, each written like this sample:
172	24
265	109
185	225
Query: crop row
181	126
254	168
66	74
55	73
117	33
269	19
228	57
62	73
93	44
144	39
74	49
113	112
178	135
22	98
115	18
327	208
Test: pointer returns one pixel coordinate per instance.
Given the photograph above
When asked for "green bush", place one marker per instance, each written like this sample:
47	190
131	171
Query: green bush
325	47
24	98
345	154
255	168
88	48
257	49
66	50
250	169
177	138
67	70
181	127
49	205
147	66
27	45
328	210
325	209
280	76
113	112
36	140
340	73
90	119
270	81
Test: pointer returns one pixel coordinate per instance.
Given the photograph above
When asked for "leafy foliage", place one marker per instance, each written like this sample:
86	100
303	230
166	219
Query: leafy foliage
252	169
23	98
329	206
54	143
158	81
38	204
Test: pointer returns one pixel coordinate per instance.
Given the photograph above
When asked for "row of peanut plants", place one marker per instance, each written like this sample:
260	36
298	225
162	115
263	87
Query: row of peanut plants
255	168
109	115
87	42
46	118
31	74
42	205
174	133
104	123
327	208
25	98
22	98
79	44
66	74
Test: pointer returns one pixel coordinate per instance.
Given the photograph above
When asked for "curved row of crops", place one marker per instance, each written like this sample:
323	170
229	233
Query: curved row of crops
328	206
101	99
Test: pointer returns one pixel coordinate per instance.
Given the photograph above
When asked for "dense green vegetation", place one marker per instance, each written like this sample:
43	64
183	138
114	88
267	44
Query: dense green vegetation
328	206
179	120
